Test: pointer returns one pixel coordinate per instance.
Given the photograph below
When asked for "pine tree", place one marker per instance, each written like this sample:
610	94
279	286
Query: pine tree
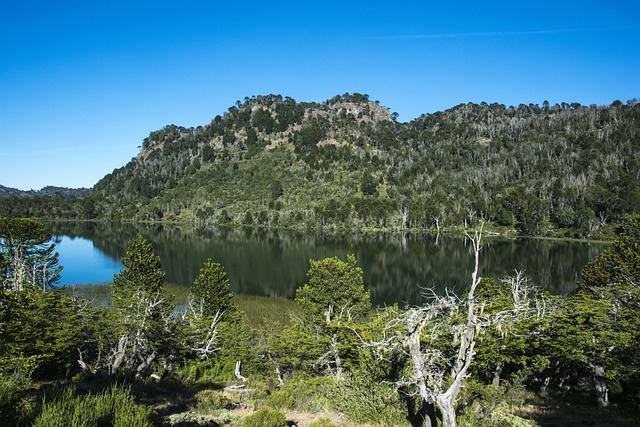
212	315
26	255
141	310
331	303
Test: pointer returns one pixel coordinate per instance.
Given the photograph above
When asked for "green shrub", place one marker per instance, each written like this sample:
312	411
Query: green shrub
14	410
208	401
366	401
208	371
265	417
114	407
301	394
488	405
322	422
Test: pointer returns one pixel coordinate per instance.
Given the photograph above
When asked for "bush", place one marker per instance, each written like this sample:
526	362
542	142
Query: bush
14	410
114	407
265	417
301	394
210	371
322	422
212	402
213	399
488	405
366	401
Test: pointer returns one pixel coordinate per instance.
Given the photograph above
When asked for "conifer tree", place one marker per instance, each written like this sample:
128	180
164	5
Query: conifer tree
212	316
141	310
331	302
26	255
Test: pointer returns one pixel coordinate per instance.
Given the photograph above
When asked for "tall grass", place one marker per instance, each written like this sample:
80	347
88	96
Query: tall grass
266	313
113	407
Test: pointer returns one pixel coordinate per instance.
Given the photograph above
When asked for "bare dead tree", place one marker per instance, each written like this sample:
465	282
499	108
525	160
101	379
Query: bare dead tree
135	347
438	374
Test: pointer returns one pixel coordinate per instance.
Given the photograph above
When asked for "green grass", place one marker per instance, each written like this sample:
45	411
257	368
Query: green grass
112	407
266	313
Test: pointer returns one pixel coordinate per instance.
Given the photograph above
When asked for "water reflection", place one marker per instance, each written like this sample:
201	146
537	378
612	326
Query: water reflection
274	263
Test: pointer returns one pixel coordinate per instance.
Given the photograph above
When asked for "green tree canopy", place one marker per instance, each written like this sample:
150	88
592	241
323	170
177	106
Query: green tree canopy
332	302
142	274
335	291
26	255
212	289
141	312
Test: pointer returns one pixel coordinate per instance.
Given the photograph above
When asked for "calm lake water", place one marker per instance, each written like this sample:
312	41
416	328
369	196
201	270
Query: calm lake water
274	263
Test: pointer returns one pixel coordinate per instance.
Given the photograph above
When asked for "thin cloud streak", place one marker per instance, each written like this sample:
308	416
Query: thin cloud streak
490	34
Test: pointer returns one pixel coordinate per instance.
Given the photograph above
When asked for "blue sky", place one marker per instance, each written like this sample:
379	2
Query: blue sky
83	82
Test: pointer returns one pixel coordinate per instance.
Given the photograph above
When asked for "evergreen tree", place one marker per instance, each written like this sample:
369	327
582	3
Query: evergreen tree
212	319
332	302
141	312
26	255
211	290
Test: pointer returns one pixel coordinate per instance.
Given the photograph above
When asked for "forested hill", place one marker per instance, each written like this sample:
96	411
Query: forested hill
347	162
567	170
48	191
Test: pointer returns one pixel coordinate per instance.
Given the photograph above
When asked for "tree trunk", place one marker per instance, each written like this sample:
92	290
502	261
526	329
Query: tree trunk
336	357
445	404
413	343
496	374
405	216
600	383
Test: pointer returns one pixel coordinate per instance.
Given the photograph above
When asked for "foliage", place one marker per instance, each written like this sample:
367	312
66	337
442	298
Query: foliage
322	422
335	292
209	371
487	405
563	170
14	409
597	330
367	401
302	394
332	302
208	400
510	349
142	275
140	315
211	290
293	349
26	256
265	417
212	317
113	407
31	339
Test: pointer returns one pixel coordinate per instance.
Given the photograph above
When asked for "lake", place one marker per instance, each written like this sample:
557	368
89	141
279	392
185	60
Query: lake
396	267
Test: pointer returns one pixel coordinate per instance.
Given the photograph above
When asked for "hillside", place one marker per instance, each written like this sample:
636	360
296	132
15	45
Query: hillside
348	163
561	170
50	191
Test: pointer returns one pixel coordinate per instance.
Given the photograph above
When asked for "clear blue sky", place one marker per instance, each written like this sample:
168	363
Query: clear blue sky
83	82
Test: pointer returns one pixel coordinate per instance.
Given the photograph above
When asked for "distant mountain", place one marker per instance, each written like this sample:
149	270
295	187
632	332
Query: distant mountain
50	191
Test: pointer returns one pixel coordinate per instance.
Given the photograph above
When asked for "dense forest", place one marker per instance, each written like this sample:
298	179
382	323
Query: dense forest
501	353
562	170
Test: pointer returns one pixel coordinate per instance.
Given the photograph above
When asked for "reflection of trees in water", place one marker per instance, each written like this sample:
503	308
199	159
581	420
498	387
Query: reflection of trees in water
396	266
